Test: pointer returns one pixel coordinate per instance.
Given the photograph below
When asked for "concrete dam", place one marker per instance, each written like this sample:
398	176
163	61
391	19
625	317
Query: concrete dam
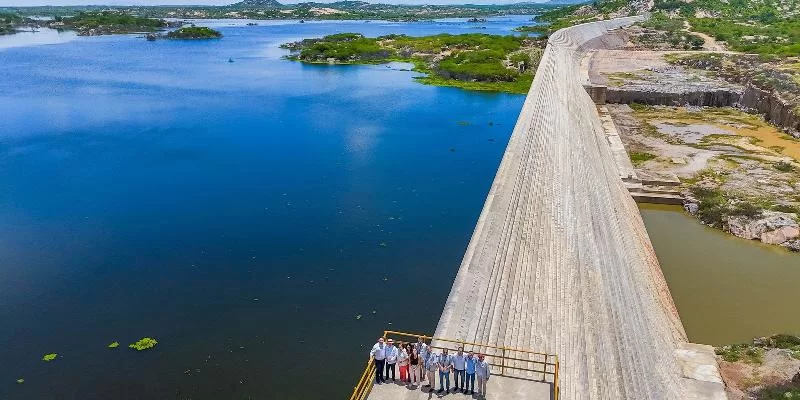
560	261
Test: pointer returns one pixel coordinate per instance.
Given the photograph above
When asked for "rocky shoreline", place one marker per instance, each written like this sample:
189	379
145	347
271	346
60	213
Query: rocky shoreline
771	227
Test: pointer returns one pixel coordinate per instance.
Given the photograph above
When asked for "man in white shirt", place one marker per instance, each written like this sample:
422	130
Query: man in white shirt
391	359
378	353
459	366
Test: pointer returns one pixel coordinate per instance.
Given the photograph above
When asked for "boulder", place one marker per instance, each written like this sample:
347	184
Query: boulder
768	228
793	245
691	208
780	235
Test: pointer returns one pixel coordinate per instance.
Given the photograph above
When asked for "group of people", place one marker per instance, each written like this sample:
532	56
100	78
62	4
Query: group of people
418	361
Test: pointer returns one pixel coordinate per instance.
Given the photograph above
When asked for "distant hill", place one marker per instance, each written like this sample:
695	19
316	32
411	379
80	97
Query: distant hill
566	2
257	4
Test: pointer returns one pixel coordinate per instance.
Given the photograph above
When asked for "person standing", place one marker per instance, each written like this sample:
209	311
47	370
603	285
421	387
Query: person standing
378	354
459	365
482	373
422	350
470	364
416	370
431	364
391	359
445	365
402	362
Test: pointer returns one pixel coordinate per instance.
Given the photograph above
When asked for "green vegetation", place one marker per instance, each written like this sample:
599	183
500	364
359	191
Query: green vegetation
783	166
20	381
715	206
8	22
113	345
581	13
344	10
540	29
665	29
194	32
470	61
763	27
144	344
741	352
638	158
49	357
109	22
753	353
779	393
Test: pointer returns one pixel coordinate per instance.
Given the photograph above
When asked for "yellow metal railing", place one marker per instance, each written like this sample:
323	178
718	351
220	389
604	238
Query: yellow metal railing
532	365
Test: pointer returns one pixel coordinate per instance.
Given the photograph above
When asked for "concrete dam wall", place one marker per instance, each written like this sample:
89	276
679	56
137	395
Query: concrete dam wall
560	261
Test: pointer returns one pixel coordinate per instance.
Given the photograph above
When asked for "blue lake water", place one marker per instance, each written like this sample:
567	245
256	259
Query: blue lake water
241	213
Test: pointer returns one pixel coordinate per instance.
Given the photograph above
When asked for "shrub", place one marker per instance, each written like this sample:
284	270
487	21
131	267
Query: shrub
746	209
783	166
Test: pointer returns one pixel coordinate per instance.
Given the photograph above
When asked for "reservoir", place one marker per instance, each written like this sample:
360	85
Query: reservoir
727	289
264	220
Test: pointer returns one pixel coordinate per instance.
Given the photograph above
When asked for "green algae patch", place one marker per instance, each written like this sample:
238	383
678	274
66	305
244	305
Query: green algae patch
49	357
113	345
144	344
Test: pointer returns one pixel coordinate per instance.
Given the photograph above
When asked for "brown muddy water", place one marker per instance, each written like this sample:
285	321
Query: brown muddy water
727	289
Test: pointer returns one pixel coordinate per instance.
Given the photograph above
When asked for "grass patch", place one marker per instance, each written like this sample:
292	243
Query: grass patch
741	352
113	345
786	208
638	157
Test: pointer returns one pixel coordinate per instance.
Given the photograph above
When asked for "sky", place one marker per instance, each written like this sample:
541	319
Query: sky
20	3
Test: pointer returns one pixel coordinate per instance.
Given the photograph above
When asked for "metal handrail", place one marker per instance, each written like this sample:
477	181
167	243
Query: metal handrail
364	386
362	389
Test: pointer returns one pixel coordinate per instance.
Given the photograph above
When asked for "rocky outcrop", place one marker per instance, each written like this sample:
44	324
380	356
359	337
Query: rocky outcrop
793	245
698	98
776	110
770	228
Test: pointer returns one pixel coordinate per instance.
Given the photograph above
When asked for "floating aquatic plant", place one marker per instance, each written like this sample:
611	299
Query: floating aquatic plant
20	381
144	344
49	357
113	345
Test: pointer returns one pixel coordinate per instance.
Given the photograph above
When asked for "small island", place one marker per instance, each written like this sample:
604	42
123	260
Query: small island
194	32
108	23
469	61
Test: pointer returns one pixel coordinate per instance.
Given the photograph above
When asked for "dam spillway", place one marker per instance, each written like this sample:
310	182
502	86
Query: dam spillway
560	261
